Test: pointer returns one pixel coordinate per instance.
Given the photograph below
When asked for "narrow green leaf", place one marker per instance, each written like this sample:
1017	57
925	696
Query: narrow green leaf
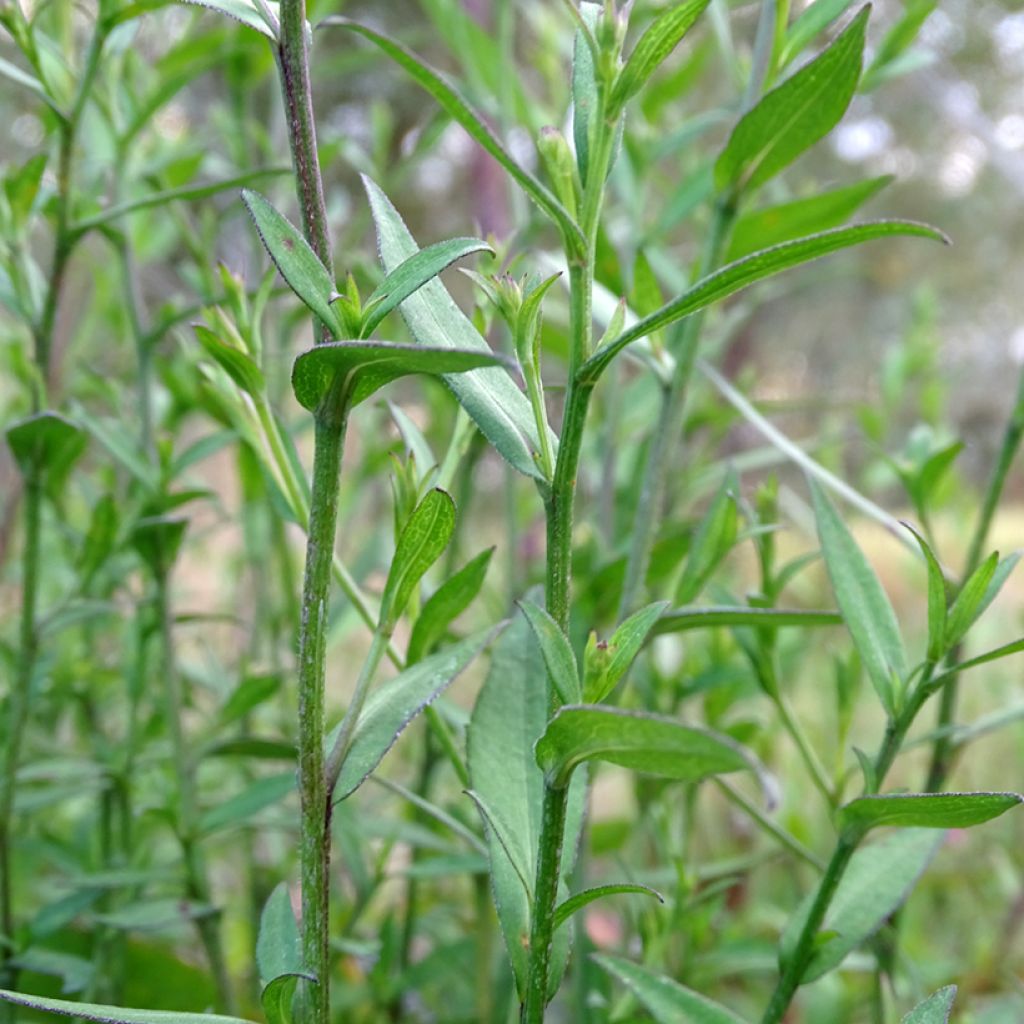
936	599
584	88
661	38
712	541
935	1009
758	229
114	1014
815	19
295	260
15	74
568	907
866	609
449	601
394	704
621	649
666	1000
511	845
644	743
412	274
244	806
456	107
877	881
244	11
924	810
893	52
1015	647
238	365
681	620
738	275
795	115
368	365
501	411
965	609
250	693
278	945
556	650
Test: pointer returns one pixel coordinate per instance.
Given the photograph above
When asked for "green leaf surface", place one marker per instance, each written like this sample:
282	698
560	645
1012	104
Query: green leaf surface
250	693
579	900
772	225
15	74
158	540
644	743
278	945
866	609
936	598
924	810
662	36
681	620
935	1009
747	271
241	10
45	440
459	110
295	260
238	365
712	541
114	1014
156	915
879	878
982	659
795	115
496	405
412	274
666	1000
394	704
423	539
367	366
243	806
584	88
967	606
449	601
556	650
621	649
817	17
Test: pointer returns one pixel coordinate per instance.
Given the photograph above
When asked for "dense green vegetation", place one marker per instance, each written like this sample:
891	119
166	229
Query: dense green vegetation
406	625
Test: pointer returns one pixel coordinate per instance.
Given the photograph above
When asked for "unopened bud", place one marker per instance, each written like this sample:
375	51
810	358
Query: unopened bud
560	166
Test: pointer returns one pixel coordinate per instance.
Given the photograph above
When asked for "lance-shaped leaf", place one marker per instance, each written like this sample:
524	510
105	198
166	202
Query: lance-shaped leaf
394	704
712	541
421	542
738	275
459	110
866	609
937	602
681	620
366	366
1016	647
968	604
935	1009
813	20
579	900
924	810
666	1000
501	411
879	878
644	743
114	1014
557	652
449	601
294	259
584	86
795	115
661	38
238	365
246	12
413	274
618	654
758	229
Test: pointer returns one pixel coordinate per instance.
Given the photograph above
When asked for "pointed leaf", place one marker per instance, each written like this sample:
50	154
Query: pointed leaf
924	810
680	620
623	647
935	1009
45	440
584	87
667	1001
568	907
877	881
244	11
412	274
114	1014
813	20
294	259
510	843
866	609
795	115
965	609
557	652
661	38
238	365
243	806
738	275
644	743
449	601
368	365
712	541
936	599
394	704
994	655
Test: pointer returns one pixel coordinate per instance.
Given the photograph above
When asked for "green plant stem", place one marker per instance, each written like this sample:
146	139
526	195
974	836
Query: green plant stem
670	420
807	752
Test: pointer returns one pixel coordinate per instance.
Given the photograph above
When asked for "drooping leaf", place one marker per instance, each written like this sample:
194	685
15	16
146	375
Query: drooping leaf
866	609
935	1009
556	650
756	267
880	876
622	648
394	704
758	229
579	900
368	365
936	598
412	274
795	115
449	601
238	365
644	743
421	542
459	110
818	16
662	36
924	810
496	405
114	1014
666	1000
294	259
